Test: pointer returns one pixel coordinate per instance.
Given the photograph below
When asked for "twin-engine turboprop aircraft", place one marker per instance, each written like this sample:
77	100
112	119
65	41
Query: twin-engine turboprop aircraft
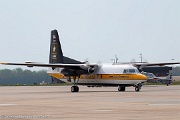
82	73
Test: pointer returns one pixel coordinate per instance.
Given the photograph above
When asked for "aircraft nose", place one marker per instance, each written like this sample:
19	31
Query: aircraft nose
143	77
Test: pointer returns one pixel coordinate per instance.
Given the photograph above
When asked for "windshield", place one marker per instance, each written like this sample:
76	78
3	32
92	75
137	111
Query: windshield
130	71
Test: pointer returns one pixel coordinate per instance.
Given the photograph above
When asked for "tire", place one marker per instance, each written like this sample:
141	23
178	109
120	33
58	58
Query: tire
137	89
121	88
74	89
77	89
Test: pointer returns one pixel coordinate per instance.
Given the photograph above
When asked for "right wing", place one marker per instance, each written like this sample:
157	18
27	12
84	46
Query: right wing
54	65
71	68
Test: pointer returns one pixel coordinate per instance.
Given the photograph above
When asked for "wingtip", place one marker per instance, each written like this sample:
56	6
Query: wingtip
2	63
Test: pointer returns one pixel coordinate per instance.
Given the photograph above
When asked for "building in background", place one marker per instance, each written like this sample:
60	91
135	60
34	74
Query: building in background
159	71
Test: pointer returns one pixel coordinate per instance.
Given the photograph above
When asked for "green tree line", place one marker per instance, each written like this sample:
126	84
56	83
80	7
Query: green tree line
20	76
176	71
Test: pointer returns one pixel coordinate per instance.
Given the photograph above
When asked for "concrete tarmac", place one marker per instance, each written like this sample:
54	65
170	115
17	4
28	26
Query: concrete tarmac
106	103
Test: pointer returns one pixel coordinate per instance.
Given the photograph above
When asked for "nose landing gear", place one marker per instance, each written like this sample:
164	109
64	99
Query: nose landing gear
138	87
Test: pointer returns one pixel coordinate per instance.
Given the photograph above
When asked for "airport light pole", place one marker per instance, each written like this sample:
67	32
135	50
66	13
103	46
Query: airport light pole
113	61
116	59
141	57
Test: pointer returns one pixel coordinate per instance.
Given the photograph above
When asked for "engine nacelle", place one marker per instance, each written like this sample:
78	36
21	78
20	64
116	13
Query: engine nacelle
68	72
87	68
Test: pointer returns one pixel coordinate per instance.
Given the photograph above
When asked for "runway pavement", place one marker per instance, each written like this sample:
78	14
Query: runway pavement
106	103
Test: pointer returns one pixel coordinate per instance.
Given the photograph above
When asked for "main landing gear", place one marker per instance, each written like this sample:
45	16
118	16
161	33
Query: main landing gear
75	88
120	88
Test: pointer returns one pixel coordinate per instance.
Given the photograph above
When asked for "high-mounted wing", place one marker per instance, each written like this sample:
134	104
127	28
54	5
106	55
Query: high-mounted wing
140	65
34	64
69	69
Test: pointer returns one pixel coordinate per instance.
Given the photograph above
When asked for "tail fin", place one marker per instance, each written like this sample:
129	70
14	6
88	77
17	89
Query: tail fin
169	77
56	54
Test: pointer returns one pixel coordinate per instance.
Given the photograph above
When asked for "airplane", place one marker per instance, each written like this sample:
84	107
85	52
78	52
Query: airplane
84	73
154	79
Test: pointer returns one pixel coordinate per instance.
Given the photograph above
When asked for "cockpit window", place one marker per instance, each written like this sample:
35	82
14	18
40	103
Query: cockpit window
125	71
130	71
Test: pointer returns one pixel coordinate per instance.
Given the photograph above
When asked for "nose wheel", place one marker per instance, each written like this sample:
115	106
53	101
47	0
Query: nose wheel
137	89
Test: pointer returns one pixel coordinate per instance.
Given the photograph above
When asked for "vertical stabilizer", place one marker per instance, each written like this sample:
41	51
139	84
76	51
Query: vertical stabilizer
169	77
56	54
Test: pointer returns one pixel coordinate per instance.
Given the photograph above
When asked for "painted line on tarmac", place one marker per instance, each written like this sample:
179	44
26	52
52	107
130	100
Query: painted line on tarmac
162	104
7	104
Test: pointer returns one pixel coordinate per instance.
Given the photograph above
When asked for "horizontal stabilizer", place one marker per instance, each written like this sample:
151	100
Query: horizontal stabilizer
68	60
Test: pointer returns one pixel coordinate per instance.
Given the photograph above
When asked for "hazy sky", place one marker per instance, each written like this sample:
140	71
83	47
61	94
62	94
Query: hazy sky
90	29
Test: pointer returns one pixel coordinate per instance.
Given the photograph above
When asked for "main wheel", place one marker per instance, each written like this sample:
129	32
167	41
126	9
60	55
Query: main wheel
121	88
74	89
77	89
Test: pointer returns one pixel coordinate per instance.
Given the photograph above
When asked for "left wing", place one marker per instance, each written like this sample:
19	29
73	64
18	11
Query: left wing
140	65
